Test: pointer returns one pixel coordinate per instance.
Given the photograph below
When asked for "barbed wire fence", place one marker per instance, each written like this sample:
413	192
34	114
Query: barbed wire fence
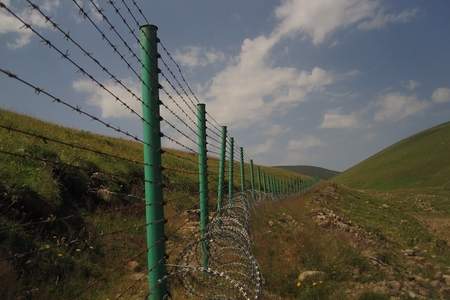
184	226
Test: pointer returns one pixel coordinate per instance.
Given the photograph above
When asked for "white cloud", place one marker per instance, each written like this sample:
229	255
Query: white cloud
397	106
411	85
334	119
441	95
381	20
9	24
307	142
111	108
194	56
265	147
318	19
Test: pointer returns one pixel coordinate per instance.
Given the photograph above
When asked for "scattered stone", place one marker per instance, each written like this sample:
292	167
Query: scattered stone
446	279
304	275
138	276
420	259
409	252
436	283
394	286
385	206
412	295
271	223
380	290
438	275
133	266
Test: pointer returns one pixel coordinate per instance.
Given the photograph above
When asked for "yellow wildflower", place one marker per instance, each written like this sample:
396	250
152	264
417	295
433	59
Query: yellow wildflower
78	250
47	246
314	283
59	255
299	284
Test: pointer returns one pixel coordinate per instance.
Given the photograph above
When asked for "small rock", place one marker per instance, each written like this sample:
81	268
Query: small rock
409	252
306	274
420	259
380	290
325	224
133	266
394	286
385	206
270	223
438	275
411	295
138	276
436	283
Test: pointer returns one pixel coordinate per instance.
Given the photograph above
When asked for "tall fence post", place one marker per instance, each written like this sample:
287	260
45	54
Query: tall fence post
252	179
258	174
223	146
242	169
231	175
264	182
154	204
203	179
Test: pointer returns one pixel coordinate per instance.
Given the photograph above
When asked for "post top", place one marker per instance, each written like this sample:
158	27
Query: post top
149	26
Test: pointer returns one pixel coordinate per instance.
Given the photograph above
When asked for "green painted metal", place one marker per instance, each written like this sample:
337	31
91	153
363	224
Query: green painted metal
264	182
203	179
154	204
272	179
223	145
242	169
252	179
258	174
231	172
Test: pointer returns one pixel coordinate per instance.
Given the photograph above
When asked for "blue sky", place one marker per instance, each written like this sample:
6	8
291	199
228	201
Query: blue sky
324	82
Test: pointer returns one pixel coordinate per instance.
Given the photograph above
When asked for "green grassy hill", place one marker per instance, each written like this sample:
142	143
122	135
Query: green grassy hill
323	173
71	208
388	240
420	160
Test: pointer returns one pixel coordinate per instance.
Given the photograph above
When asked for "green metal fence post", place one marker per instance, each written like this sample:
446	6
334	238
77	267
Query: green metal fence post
223	146
258	174
231	174
272	179
203	179
154	204
252	179
242	169
264	182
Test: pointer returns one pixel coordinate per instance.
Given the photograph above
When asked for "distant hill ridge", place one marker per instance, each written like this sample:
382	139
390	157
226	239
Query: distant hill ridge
323	173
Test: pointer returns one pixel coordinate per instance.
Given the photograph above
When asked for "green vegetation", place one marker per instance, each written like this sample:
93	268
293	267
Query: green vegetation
420	160
380	230
57	235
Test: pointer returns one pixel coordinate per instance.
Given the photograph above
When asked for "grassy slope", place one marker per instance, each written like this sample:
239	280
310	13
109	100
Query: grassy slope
57	184
419	160
323	174
393	201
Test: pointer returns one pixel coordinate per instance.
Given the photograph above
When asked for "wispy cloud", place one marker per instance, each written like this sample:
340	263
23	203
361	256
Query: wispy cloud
397	106
441	95
411	84
309	141
333	118
110	108
9	24
319	19
195	56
